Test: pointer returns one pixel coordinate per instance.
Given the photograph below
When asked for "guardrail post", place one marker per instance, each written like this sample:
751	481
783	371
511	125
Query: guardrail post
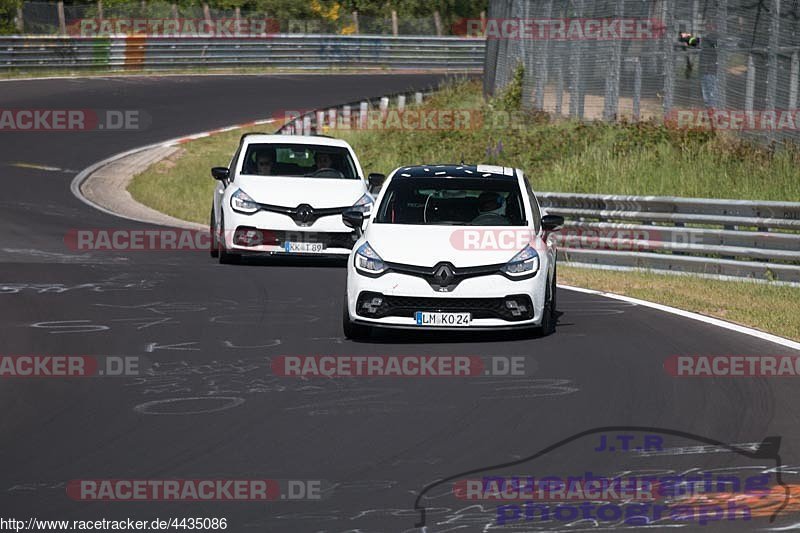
347	119
794	79
401	102
384	106
418	98
332	118
394	22
320	125
306	124
363	111
62	23
355	22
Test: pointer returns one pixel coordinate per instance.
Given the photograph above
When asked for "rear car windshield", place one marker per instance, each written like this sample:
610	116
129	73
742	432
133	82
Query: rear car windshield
452	202
301	160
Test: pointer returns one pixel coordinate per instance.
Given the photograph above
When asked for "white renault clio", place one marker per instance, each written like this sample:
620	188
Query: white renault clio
285	194
452	247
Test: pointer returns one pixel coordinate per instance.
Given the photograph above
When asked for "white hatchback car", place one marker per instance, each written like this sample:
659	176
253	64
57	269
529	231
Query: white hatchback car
452	247
285	194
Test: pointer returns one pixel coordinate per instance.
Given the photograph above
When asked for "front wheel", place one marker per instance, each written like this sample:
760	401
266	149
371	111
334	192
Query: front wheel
352	330
212	228
550	314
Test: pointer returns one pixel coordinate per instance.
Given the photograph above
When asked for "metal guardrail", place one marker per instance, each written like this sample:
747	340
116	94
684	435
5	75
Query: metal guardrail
752	239
288	51
737	238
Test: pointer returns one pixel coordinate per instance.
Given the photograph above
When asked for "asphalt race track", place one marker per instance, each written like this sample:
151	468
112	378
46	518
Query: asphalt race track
208	404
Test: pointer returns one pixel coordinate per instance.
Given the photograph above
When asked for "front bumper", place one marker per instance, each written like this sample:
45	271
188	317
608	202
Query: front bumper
484	297
268	233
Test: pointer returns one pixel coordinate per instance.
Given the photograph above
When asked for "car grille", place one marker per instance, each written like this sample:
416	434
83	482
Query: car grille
406	306
278	238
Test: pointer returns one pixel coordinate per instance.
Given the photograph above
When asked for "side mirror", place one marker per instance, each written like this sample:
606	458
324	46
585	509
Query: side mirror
220	173
552	222
375	181
353	219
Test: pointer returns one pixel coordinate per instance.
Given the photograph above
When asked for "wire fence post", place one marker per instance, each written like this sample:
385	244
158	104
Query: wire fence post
542	61
611	102
750	90
794	79
722	53
669	56
637	89
576	89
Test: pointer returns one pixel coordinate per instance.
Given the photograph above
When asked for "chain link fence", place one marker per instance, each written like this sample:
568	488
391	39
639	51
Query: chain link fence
720	64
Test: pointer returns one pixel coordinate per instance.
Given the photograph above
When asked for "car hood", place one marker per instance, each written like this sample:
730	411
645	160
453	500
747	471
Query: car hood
463	246
291	192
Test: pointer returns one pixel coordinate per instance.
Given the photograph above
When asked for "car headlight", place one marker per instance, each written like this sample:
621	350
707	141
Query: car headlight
369	262
524	264
242	203
364	204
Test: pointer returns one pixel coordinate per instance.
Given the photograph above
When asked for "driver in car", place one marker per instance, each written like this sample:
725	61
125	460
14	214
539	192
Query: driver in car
264	162
492	209
323	160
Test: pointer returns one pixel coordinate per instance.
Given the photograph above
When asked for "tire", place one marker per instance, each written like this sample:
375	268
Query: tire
351	330
226	258
212	228
550	314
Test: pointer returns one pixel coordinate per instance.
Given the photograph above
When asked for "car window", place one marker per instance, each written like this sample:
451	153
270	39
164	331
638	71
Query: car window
300	160
452	202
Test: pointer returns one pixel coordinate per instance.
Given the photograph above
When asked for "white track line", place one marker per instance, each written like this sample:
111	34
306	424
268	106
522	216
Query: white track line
694	316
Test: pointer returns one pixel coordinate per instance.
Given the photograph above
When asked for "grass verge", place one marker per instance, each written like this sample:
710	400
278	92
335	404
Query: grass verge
771	308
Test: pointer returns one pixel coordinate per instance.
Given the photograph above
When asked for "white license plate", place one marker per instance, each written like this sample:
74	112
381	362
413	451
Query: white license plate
443	319
306	247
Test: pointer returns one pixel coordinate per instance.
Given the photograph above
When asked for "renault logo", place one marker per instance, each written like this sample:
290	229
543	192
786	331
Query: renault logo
444	275
305	214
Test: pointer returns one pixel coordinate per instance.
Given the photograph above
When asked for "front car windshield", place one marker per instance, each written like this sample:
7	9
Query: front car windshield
443	201
299	160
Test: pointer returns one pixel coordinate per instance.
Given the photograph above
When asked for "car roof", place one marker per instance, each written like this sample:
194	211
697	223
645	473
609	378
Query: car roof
319	140
459	171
